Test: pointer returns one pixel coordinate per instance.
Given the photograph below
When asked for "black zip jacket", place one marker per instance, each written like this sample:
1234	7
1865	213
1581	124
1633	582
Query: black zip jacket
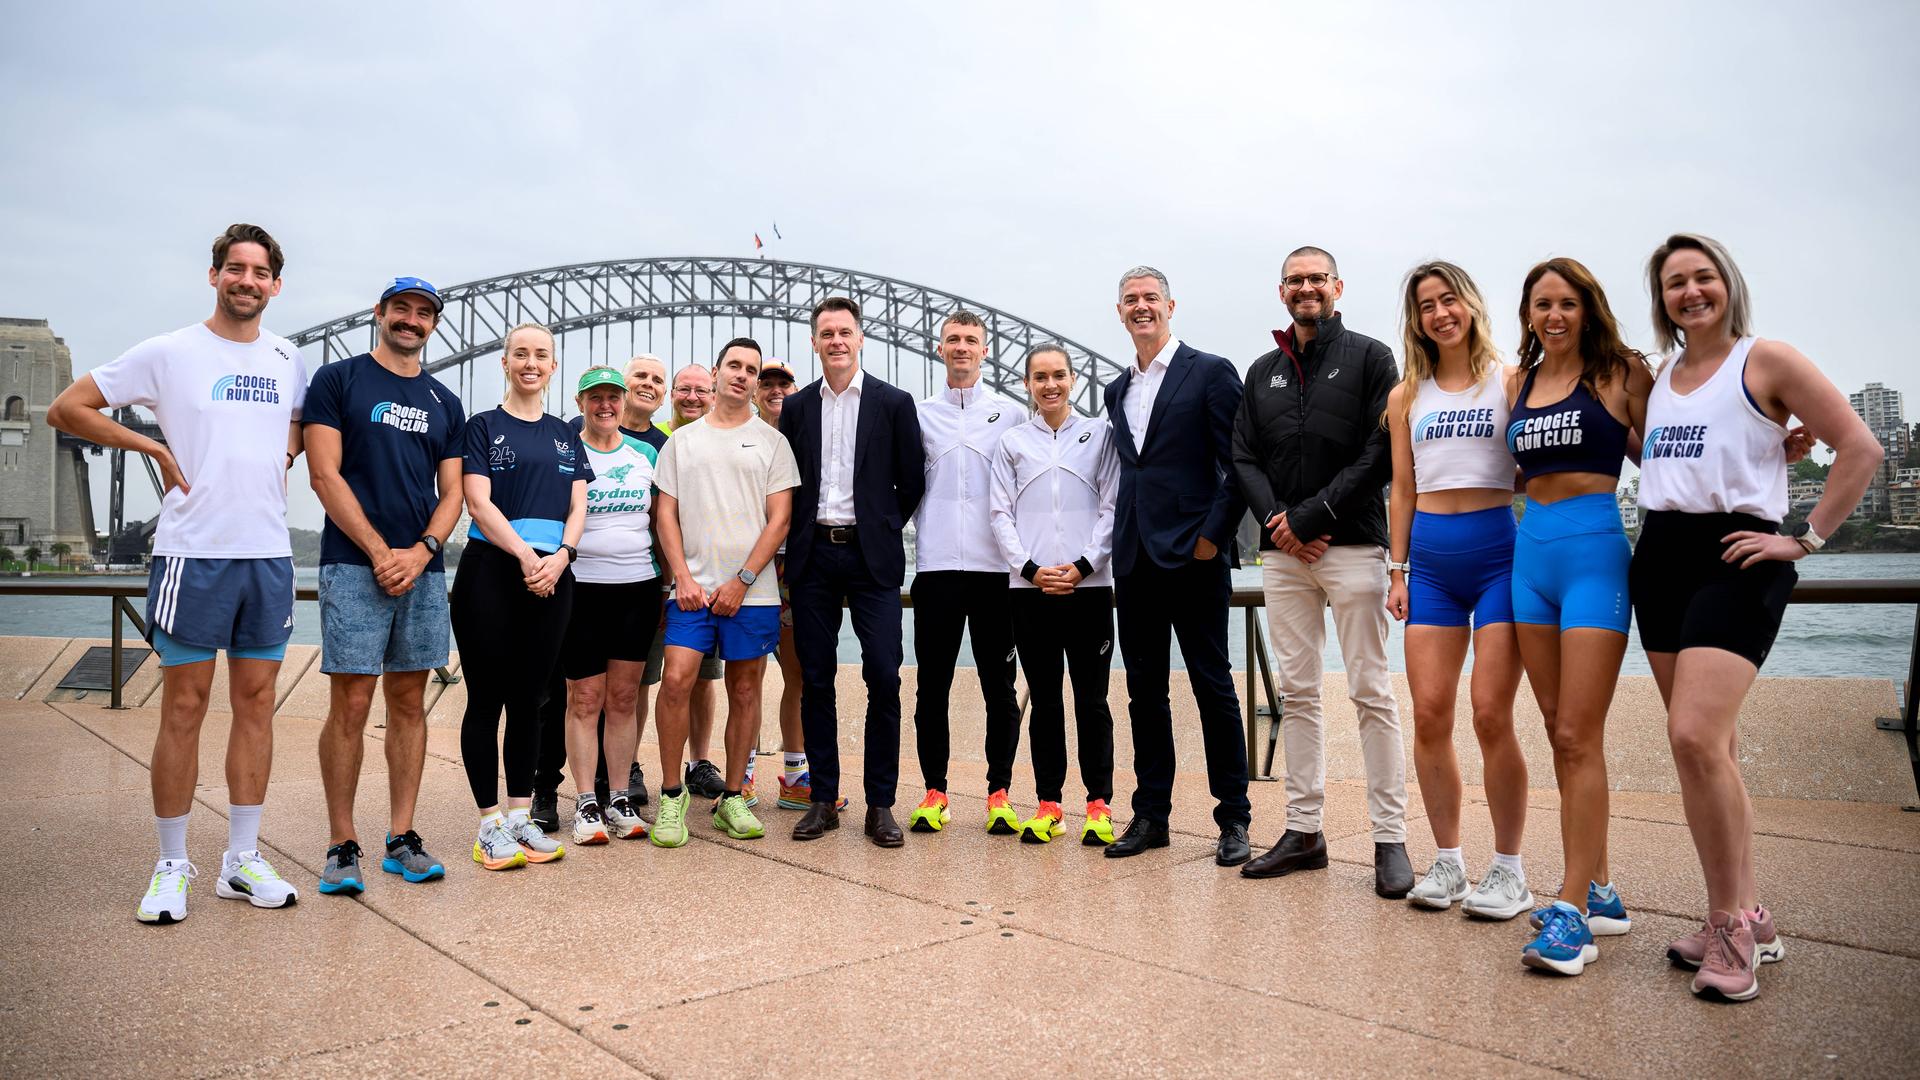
1307	439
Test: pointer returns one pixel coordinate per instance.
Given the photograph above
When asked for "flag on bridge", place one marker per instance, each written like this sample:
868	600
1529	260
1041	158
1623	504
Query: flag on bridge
776	231
757	245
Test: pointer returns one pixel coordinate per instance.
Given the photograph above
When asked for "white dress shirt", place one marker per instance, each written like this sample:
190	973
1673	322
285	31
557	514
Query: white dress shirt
1142	389
960	429
839	425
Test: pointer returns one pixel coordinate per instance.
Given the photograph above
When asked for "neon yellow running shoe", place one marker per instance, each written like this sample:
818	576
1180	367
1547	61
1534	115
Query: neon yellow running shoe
670	826
1098	831
1044	825
932	814
1001	820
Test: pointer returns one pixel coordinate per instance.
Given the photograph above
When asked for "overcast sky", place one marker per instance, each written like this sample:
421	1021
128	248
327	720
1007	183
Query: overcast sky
1020	153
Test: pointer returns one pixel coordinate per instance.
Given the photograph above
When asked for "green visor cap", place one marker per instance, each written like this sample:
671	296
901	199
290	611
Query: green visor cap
601	376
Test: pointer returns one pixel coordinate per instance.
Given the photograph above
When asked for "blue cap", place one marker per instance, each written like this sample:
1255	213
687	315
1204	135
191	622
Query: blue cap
415	285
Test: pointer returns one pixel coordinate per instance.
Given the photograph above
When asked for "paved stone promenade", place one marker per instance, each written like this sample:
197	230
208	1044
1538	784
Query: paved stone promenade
960	955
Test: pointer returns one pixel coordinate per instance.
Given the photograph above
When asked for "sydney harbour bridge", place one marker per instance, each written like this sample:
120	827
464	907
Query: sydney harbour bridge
680	309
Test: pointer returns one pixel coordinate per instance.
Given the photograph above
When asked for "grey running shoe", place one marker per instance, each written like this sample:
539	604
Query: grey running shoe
705	781
623	822
1501	894
636	785
408	857
534	841
496	849
588	826
341	874
1444	885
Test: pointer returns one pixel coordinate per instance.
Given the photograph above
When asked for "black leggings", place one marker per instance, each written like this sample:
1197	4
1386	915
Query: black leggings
1080	625
944	603
509	642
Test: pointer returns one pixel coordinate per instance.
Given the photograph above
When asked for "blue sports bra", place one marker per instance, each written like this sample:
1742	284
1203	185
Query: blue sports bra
1574	434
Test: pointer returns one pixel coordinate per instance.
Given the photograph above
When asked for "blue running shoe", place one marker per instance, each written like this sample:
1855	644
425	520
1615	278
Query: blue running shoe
342	871
1606	915
407	857
1565	945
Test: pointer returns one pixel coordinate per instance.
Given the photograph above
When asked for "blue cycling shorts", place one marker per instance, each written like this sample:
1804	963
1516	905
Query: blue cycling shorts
1462	568
1570	565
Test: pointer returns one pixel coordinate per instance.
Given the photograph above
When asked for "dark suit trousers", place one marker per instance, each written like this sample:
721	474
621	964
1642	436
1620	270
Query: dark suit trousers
945	602
836	572
1189	603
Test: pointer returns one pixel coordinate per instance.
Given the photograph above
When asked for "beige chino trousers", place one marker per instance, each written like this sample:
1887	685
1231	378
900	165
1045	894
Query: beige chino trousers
1353	578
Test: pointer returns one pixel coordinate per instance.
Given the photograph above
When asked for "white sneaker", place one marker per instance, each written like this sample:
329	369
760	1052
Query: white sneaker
1444	886
622	821
166	899
537	846
249	877
588	826
1502	894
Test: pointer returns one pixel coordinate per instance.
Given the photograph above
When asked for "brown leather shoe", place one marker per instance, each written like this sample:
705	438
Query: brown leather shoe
882	828
820	819
1295	851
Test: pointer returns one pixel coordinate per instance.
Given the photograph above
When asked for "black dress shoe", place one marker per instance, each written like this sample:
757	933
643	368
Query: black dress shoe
820	819
1295	851
1392	873
1141	834
886	832
1233	849
545	810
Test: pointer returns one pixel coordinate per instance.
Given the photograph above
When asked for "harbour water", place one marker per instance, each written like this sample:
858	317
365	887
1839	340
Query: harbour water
1818	640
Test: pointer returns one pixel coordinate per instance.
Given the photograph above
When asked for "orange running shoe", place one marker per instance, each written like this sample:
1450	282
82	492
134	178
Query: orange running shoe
1098	831
1044	825
932	814
1001	820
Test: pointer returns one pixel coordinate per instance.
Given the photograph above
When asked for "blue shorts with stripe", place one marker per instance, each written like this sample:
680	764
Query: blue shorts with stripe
206	604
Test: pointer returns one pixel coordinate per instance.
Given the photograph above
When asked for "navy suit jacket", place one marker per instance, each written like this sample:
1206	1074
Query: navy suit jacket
1180	487
889	475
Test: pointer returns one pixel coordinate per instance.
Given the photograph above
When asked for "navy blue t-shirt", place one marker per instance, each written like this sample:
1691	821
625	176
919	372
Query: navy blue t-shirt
394	433
653	436
533	464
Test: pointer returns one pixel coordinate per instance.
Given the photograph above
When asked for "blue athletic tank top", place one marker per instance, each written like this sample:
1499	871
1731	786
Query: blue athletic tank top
1574	434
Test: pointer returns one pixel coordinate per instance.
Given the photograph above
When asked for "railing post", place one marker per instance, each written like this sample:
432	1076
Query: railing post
114	607
1253	706
1908	717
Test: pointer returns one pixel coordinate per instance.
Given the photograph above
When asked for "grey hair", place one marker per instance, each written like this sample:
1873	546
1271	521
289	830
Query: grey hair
1166	290
1666	333
628	373
1332	266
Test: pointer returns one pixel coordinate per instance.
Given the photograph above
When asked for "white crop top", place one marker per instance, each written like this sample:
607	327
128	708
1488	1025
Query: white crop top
1459	438
1713	451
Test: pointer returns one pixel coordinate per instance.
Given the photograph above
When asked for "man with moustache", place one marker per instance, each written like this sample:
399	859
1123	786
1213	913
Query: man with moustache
383	450
228	396
646	378
1312	458
862	473
961	581
1174	523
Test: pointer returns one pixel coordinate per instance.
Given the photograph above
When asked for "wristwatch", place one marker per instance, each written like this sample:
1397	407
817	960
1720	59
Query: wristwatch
572	552
1403	567
432	542
747	577
1807	538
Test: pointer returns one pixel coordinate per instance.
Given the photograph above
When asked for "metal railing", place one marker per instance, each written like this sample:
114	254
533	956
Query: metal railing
1265	704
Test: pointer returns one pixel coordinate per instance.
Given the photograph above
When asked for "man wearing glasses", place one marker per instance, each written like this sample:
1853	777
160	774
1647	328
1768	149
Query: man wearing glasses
692	398
1312	459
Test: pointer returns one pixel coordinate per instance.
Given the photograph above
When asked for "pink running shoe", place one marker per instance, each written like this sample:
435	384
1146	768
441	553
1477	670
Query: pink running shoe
1726	972
1687	952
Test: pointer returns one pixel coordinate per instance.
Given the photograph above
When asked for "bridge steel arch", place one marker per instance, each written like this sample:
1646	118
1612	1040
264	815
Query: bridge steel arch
587	296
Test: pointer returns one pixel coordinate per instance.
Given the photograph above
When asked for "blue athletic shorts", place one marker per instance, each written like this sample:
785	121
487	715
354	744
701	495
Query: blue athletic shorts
747	634
1462	568
1570	565
199	605
363	631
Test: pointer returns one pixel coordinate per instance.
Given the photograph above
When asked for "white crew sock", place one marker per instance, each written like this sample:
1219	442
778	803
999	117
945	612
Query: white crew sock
794	765
243	829
1450	854
1511	862
173	837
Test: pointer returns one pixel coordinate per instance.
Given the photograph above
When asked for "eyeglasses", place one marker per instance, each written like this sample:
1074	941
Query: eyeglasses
1298	281
691	391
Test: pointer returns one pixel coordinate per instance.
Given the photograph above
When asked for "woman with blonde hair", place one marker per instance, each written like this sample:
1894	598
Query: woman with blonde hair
1713	569
1452	532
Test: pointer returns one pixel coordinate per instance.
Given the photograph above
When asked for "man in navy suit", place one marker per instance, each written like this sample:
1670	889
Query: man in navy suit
1173	529
862	473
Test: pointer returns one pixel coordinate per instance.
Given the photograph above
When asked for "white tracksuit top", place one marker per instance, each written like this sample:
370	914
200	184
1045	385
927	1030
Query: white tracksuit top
961	430
1053	496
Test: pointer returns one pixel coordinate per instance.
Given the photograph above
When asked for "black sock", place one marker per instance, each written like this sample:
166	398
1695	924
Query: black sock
671	792
730	793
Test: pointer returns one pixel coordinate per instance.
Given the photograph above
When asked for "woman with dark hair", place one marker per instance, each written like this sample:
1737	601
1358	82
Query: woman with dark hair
1581	394
1451	526
1713	570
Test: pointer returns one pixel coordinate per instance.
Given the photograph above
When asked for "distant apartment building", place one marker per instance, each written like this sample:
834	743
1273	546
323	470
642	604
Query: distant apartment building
1885	414
1903	497
1803	494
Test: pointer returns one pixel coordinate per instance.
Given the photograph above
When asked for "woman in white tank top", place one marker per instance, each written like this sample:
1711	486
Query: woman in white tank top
1712	572
1452	535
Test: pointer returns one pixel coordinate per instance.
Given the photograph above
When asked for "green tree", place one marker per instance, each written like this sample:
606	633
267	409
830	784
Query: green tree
33	555
1808	469
6	557
60	553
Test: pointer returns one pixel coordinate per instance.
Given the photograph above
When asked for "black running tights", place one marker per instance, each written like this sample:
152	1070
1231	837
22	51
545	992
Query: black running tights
509	641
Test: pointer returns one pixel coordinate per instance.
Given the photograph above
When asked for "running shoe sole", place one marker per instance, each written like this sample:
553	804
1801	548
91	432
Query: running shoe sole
599	837
926	821
1440	904
1764	952
392	866
227	892
1090	838
518	858
1574	966
1002	826
1715	994
347	885
1029	836
1498	914
163	918
753	834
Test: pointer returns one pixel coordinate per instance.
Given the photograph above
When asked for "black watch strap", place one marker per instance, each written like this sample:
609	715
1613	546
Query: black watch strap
573	553
432	542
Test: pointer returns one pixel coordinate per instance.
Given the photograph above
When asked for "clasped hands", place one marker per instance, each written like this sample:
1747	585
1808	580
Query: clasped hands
1308	552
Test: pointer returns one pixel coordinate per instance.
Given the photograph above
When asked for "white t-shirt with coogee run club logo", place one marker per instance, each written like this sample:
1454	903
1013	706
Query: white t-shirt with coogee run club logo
224	407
